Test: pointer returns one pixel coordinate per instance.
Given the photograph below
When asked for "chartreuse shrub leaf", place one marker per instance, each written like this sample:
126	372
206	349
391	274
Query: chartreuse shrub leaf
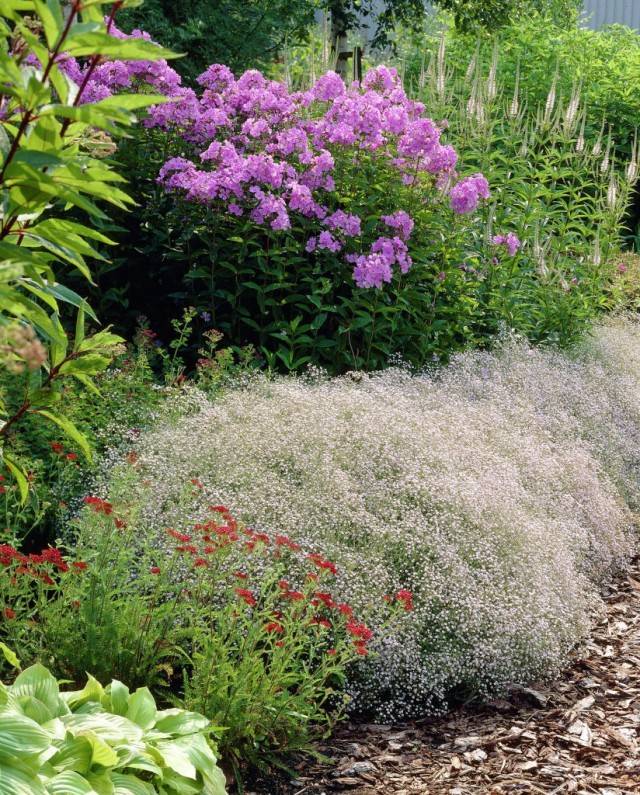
71	743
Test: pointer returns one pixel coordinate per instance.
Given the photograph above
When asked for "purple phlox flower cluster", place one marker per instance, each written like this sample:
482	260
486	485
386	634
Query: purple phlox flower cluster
510	241
466	194
376	267
401	221
269	154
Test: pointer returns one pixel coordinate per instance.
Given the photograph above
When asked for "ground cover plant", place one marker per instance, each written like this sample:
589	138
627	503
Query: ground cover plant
496	491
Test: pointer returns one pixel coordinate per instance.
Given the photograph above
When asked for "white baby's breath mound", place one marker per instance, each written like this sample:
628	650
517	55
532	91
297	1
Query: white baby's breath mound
497	489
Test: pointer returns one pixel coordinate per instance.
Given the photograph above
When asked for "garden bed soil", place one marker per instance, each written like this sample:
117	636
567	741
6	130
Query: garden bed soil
579	735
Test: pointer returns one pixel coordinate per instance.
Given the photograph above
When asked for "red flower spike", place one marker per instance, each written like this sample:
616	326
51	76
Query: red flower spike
9	614
246	596
275	627
155	570
178	536
71	456
240	575
120	524
80	565
331	652
200	563
406	598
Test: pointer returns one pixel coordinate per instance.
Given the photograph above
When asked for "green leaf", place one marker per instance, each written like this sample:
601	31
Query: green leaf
18	782
9	655
142	708
69	783
70	430
20	736
20	477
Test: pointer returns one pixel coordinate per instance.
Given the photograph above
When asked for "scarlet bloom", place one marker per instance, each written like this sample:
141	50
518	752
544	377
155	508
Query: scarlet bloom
8	613
190	548
360	631
325	598
321	563
262	537
274	626
246	596
98	505
218	509
178	536
321	622
210	549
198	484
240	575
279	643
120	524
361	648
199	563
295	596
71	456
331	652
345	609
57	447
155	570
406	598
284	584
80	565
285	541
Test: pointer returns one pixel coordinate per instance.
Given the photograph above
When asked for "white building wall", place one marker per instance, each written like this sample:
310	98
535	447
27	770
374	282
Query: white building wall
608	12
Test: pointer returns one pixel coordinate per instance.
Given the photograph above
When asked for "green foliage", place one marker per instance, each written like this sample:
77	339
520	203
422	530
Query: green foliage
48	165
247	34
470	15
604	64
241	625
99	740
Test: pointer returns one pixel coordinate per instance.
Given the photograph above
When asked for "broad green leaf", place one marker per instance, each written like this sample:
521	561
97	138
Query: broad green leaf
142	708
20	736
70	429
17	782
178	721
69	783
23	485
130	785
9	655
37	681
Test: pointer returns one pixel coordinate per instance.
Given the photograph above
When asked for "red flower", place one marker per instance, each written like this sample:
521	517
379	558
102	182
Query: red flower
71	456
240	575
262	537
325	598
331	652
361	648
274	626
295	596
321	563
57	447
178	536
199	563
285	541
284	584
360	631
80	565
190	548
279	643
99	506
198	484
246	596
3	490
155	570
406	598
210	550
120	524
8	613
218	509
345	609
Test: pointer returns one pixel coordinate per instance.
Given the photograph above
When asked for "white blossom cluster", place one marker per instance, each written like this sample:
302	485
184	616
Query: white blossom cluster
499	489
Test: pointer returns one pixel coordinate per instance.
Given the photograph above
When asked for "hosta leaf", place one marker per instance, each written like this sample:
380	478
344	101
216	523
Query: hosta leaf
37	681
69	783
177	721
20	736
17	782
142	708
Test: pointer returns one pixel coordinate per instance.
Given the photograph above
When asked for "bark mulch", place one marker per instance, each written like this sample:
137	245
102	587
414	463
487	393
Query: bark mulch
579	735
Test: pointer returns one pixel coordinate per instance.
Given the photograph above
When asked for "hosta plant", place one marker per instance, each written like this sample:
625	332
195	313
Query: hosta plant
99	741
